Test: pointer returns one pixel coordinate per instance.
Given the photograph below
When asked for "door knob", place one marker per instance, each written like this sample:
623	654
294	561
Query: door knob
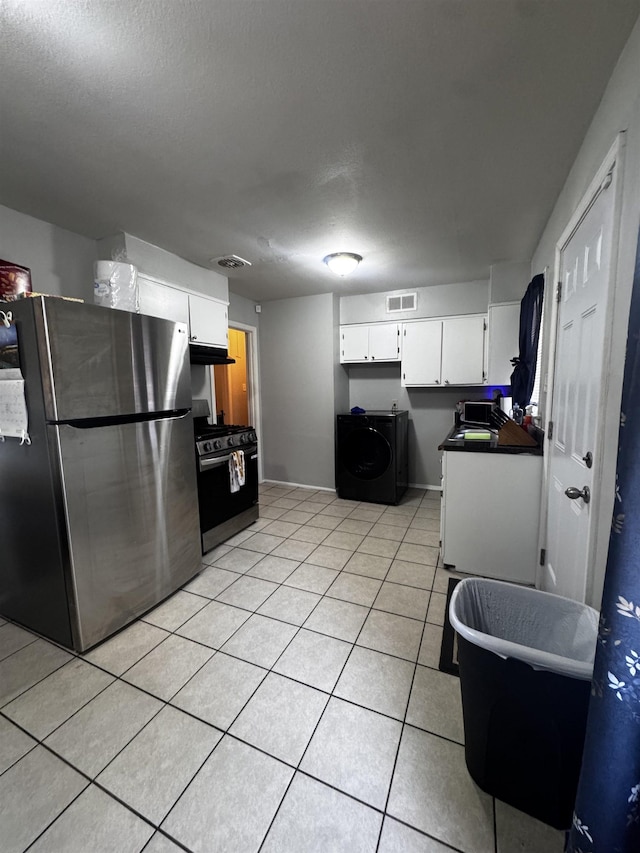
588	459
574	493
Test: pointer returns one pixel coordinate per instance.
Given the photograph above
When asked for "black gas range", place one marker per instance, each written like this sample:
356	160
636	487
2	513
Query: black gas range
227	475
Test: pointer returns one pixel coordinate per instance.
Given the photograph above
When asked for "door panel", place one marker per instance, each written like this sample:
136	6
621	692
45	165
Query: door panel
355	343
422	353
585	272
132	514
104	362
384	342
463	351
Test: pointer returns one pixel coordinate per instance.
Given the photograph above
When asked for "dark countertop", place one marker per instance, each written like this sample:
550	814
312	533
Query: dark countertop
475	446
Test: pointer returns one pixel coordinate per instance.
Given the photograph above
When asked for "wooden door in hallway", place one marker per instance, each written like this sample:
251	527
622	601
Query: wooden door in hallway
231	382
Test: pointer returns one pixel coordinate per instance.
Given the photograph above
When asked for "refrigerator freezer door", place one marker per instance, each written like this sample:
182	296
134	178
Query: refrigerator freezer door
100	362
132	517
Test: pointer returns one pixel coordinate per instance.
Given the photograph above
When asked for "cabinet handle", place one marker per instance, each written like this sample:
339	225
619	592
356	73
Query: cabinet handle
446	381
373	358
366	357
194	337
437	381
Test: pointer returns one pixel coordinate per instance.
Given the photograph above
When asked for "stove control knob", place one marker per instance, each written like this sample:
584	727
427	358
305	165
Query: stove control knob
230	441
243	439
217	444
252	436
207	447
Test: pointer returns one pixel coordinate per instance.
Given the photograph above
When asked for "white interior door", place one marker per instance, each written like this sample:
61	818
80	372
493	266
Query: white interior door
580	370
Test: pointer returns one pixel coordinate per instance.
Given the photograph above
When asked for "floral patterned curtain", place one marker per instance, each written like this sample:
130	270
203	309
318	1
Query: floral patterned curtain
607	811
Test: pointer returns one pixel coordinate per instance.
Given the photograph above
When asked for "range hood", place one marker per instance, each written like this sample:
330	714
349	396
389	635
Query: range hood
200	354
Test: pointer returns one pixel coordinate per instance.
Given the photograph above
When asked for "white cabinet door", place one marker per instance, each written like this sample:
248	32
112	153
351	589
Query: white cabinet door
490	513
504	327
463	345
354	343
158	300
366	343
384	342
421	353
208	321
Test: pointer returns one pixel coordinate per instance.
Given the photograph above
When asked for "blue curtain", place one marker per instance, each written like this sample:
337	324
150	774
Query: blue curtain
524	374
607	810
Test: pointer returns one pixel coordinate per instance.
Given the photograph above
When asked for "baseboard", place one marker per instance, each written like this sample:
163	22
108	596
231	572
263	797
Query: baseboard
284	484
426	488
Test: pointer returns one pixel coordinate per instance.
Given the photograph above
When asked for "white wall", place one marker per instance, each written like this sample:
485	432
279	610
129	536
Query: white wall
298	353
508	281
469	297
618	111
60	261
242	310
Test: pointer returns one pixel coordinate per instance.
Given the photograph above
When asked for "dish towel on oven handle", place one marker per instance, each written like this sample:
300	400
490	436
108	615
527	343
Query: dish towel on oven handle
236	470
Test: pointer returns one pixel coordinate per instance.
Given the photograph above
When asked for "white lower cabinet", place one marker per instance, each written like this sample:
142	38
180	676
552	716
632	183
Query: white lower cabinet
491	514
450	351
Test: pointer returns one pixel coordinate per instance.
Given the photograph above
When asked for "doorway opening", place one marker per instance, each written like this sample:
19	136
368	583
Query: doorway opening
232	383
235	390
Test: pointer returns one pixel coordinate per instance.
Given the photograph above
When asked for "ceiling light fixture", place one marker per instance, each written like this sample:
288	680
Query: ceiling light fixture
342	263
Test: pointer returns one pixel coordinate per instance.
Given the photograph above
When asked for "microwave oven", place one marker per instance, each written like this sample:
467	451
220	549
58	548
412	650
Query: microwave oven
477	412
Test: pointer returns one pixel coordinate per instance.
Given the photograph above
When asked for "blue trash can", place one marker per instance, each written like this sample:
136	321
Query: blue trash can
526	663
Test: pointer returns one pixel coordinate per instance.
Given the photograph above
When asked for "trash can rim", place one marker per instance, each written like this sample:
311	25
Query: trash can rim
536	658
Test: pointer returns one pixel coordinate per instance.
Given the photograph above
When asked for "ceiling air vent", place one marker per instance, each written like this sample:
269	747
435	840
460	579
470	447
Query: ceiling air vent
404	302
231	262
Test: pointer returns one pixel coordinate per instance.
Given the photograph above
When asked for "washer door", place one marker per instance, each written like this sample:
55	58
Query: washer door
365	453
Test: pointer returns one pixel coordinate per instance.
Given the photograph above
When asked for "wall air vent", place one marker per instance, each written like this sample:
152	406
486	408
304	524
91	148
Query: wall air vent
230	262
403	302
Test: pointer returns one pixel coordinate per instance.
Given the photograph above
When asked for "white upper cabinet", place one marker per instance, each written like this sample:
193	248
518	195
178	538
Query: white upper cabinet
422	353
160	300
206	318
504	326
208	322
444	352
368	343
354	343
463	348
384	342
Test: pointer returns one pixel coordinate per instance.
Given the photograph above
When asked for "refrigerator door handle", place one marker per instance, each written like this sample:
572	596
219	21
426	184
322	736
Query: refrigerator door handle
117	420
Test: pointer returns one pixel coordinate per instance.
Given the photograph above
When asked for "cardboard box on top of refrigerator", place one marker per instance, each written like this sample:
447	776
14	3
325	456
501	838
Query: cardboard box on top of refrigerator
14	281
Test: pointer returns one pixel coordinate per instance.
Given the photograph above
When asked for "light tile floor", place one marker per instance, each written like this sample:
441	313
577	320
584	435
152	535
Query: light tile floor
288	699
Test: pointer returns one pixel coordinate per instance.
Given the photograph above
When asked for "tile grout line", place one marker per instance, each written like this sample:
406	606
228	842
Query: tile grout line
215	651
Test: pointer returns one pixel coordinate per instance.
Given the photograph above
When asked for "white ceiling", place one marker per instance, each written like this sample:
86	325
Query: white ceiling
432	137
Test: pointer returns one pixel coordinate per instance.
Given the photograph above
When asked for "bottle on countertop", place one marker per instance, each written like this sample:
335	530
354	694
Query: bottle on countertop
517	413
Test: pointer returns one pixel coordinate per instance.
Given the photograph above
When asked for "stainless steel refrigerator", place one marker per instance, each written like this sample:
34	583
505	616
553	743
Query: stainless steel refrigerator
99	514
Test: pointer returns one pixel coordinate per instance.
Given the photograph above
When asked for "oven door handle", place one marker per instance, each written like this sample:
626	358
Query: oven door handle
216	461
